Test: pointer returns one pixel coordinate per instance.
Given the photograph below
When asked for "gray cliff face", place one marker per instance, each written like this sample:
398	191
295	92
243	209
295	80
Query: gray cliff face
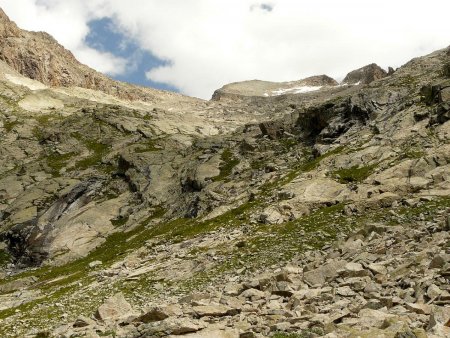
318	209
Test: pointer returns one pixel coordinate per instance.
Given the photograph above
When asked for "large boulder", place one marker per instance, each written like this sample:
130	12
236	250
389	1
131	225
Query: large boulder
114	309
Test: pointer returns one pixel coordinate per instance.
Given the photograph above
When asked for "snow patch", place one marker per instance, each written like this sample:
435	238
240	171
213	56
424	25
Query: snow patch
296	90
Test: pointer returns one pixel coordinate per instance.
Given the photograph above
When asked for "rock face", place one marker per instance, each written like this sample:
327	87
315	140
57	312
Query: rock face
365	75
311	211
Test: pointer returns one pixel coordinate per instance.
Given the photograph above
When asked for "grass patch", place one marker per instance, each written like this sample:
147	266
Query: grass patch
287	335
413	153
353	174
5	258
9	125
405	81
310	164
56	162
313	332
228	163
97	150
185	228
288	143
314	163
150	145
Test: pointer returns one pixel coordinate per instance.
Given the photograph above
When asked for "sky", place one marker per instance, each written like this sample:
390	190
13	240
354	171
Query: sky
197	46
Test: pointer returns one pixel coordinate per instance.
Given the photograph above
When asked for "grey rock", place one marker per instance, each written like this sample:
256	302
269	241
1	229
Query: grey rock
214	310
439	261
115	308
154	315
320	275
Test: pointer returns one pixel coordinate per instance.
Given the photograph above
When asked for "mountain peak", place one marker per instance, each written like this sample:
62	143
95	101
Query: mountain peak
258	88
365	75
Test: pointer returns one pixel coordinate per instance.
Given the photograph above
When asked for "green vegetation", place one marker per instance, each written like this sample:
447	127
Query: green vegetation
309	333
257	164
57	161
9	125
97	150
287	335
314	163
288	143
309	165
44	119
228	163
353	174
406	81
148	146
5	258
185	228
446	70
413	153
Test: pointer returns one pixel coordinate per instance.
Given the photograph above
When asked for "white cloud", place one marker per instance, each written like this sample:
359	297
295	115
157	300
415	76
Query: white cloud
209	43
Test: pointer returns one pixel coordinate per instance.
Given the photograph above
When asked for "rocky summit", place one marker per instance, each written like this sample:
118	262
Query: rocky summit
296	209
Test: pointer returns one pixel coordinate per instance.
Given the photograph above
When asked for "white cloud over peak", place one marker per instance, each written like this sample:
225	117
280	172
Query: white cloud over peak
208	43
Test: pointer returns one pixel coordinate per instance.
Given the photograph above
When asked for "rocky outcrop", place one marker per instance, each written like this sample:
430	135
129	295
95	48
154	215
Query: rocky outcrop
365	75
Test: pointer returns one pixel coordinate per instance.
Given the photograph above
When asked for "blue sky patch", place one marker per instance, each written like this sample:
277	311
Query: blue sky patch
103	36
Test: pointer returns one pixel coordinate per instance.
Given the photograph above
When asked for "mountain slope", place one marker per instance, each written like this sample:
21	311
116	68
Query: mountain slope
319	213
39	56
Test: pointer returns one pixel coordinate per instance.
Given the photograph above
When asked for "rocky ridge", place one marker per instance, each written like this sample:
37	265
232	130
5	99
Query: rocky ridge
266	88
116	214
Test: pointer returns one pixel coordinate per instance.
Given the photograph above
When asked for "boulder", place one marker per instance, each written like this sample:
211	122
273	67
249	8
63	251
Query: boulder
439	261
253	294
154	315
439	323
171	326
214	311
320	275
369	318
83	321
271	216
421	309
114	309
354	270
